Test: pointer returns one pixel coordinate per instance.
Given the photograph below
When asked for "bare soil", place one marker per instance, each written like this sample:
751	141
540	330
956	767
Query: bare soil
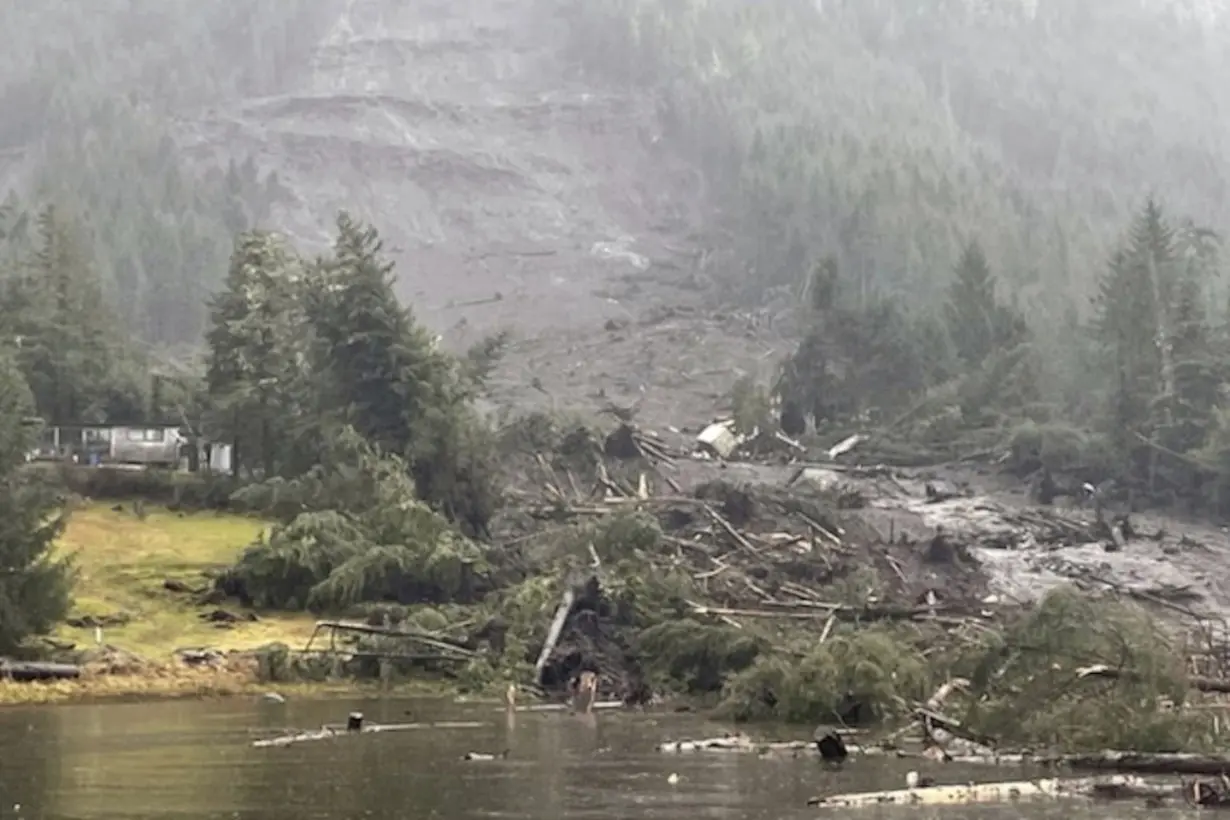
1176	566
513	194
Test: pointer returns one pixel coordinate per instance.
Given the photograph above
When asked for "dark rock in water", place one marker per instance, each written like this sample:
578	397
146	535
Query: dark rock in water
354	722
831	747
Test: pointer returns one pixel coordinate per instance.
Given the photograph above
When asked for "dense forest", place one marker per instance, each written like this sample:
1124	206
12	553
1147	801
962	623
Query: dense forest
89	104
865	151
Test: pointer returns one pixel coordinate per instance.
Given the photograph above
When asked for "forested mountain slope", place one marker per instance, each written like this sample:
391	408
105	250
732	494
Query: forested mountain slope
892	131
537	152
89	98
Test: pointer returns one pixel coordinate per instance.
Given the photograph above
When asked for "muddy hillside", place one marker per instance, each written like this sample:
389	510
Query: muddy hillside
514	195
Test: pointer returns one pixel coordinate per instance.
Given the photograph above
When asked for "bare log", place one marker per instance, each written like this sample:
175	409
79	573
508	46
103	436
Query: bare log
1112	761
330	732
553	634
1112	788
415	636
840	613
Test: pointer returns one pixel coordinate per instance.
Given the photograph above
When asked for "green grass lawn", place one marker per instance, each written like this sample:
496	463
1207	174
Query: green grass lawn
122	562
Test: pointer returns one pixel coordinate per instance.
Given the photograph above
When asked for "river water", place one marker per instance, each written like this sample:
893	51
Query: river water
191	760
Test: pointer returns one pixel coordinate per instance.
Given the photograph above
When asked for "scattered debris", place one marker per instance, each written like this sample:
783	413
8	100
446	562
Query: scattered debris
329	732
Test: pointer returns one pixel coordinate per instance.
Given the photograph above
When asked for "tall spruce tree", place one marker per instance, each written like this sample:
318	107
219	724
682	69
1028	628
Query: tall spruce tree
74	358
979	324
257	351
1155	342
383	373
34	586
971	309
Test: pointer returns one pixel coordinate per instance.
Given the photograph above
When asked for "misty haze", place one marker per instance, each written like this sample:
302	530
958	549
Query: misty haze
614	408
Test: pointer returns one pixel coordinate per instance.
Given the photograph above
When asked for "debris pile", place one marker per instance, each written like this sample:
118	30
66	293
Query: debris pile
647	577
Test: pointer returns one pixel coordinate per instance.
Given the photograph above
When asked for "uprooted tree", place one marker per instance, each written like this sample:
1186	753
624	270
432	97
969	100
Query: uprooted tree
352	530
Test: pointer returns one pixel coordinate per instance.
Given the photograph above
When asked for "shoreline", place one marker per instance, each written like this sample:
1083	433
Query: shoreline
162	685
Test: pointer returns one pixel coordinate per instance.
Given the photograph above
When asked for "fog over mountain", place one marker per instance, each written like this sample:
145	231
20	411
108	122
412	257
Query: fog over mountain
560	168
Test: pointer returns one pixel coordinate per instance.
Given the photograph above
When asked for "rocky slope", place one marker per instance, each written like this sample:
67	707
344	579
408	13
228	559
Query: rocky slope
513	194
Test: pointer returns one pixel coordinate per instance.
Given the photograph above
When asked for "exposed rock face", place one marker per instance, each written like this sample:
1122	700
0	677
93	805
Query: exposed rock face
491	169
514	194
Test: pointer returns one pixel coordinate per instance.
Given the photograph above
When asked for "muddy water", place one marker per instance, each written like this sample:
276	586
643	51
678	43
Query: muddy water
193	760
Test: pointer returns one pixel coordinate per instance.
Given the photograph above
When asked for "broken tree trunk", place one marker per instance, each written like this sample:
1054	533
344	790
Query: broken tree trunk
553	634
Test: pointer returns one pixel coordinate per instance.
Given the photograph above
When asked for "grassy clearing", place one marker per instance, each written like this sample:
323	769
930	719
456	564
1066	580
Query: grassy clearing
122	563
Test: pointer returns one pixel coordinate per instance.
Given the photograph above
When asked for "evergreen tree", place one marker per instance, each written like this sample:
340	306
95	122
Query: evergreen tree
76	363
978	323
1125	328
257	351
1156	343
1198	371
382	372
34	586
971	309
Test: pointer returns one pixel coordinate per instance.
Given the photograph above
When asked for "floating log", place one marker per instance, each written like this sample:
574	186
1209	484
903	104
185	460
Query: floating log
563	707
330	732
1110	788
1111	761
743	743
28	672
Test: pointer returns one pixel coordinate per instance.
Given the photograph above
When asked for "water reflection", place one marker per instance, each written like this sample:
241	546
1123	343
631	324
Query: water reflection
193	760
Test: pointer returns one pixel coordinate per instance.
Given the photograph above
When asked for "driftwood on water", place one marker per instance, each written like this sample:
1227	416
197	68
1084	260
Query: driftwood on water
1104	788
734	743
602	705
329	732
1121	762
